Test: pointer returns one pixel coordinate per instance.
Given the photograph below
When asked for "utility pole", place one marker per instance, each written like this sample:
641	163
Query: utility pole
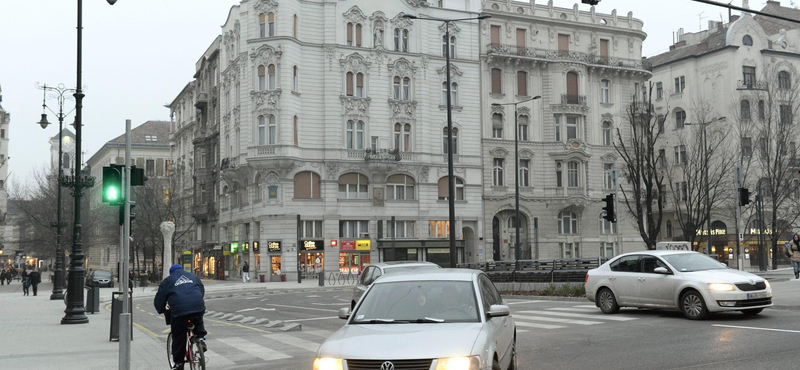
739	235
125	316
616	207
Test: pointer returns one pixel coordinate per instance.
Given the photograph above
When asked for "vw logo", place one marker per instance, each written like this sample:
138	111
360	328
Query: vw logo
387	366
752	282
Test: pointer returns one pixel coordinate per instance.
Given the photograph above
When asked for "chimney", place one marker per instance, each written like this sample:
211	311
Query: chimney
680	44
719	26
702	47
734	18
771	2
712	25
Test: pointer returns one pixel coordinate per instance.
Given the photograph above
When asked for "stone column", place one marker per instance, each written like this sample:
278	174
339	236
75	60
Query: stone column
167	230
252	255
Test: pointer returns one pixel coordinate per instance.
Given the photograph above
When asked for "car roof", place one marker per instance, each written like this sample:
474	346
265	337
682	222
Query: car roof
395	264
426	275
656	252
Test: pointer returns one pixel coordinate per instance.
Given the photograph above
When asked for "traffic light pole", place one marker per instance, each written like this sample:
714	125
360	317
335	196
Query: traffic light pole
125	317
616	207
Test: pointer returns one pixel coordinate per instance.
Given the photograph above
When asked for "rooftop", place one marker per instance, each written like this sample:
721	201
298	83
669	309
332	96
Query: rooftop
148	133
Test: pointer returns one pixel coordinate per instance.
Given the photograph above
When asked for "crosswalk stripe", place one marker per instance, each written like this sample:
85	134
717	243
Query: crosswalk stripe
521	331
575	309
294	341
585	306
583	316
522	302
539	326
555	319
217	359
320	333
253	349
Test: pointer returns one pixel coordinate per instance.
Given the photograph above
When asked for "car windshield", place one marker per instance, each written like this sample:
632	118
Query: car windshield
688	262
102	274
418	302
406	269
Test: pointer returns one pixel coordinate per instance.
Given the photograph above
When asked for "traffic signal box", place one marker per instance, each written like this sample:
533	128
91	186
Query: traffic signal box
609	208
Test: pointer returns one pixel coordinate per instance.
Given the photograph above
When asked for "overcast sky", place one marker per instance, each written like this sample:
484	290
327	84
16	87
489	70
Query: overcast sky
138	55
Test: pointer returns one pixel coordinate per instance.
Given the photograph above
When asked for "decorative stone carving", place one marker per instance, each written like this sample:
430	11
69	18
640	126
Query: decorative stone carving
355	63
265	101
454	29
272	178
577	36
423	173
331	170
550	8
593	15
265	6
455	73
614	17
716	67
551	31
630	44
524	111
607	117
630	19
355	15
498	152
609	158
575	11
402	23
498	109
509	28
484	27
425	58
379	21
403	108
748	62
525	154
355	107
402	67
266	55
614	41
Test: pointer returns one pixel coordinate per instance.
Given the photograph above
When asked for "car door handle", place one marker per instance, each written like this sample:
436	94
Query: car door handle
612	277
642	279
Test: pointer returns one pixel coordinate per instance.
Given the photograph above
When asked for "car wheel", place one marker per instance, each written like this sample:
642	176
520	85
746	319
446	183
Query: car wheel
495	365
693	306
607	302
752	311
513	364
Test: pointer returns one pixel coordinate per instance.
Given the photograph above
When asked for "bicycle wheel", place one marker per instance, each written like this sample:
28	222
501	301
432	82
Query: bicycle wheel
169	350
198	358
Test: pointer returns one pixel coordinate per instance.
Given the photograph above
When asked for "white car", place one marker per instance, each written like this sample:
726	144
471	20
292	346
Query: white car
691	282
374	271
448	319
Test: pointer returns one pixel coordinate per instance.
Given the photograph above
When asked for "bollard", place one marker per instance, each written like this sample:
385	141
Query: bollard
321	279
92	299
116	313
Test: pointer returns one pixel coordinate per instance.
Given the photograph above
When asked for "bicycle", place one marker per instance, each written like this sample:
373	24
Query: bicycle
195	356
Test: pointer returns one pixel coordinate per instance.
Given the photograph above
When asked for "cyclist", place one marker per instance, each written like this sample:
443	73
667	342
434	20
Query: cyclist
184	292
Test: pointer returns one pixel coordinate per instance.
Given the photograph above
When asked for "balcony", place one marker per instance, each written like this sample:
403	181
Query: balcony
201	100
384	155
572	56
751	84
573	99
266	150
201	211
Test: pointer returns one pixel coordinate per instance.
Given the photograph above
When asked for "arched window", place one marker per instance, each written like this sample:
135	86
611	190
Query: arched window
523	127
747	40
405	41
306	185
271	18
262	82
445	147
524	173
522	83
498	177
349	34
271	77
353	186
606	133
296	134
669	229
235	196
444	189
294	26
295	80
406	88
567	223
573	178
396	39
784	80
358	34
497	81
497	126
605	91
572	88
224	197
349	83
360	85
402	137
262	130
272	130
354	135
259	190
744	110
396	88
606	226
452	46
680	117
453	93
400	187
245	193
65	162
262	25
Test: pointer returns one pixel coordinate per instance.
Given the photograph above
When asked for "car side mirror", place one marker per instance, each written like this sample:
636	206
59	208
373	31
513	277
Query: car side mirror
344	313
498	310
723	264
661	270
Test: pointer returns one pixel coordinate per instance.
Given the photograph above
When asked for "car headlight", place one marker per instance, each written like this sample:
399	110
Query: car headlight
721	287
327	363
766	282
459	363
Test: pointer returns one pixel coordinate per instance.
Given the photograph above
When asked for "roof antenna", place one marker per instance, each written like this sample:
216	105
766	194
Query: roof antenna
700	21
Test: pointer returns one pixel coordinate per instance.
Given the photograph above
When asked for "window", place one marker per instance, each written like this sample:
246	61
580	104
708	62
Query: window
572	174
626	264
354	136
606	133
396	88
680	84
453	93
572	88
522	83
567	223
452	46
358	80
680	154
311	229
608	176
406	89
747	40
262	130
438	229
405	41
349	34
294	26
744	110
396	39
444	190
353	186
747	147
684	191
572	127
497	126
271	73
749	76
271	28
524	173
375	143
497	83
662	158
604	50
262	26
605	93
445	147
558	128
401	229
570	250
662	193
150	167
559	171
523	128
358	34
762	146
680	118
272	130
400	187
669	228
607	250
495	35
563	45
606	226
761	109
65	162
262	82
295	81
307	185
259	191
402	137
784	80
786	114
353	229
659	90
521	41
296	134
360	85
497	172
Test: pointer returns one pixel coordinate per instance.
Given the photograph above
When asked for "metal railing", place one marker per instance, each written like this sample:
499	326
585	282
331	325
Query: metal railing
568	55
537	271
751	85
338	278
573	99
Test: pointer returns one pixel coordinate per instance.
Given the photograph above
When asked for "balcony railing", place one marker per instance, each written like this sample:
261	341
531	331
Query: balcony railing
383	155
201	100
573	99
578	56
266	150
751	85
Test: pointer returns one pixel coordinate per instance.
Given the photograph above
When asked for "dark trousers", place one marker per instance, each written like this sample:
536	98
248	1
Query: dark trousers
179	327
35	288
25	285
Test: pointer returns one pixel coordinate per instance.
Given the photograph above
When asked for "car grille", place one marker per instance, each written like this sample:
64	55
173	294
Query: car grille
398	364
746	287
754	302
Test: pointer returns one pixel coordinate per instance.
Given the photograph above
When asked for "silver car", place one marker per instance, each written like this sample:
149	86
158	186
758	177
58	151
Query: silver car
448	319
691	282
373	272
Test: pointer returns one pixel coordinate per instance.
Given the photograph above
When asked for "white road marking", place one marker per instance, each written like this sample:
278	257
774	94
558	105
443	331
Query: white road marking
294	341
253	349
521	331
586	306
302	308
219	360
313	319
538	326
583	316
256	309
575	309
330	304
555	319
253	297
754	328
312	296
522	302
265	299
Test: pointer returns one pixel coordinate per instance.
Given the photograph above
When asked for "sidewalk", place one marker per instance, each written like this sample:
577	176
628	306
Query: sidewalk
781	274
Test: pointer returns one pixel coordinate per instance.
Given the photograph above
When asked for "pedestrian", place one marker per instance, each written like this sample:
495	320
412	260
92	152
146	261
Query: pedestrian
36	277
25	282
3	277
794	250
245	272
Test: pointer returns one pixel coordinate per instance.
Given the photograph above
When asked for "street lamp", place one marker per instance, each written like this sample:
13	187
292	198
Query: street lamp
705	172
60	93
450	179
516	167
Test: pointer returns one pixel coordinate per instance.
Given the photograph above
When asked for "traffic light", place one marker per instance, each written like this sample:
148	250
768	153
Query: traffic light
112	184
137	176
609	208
744	196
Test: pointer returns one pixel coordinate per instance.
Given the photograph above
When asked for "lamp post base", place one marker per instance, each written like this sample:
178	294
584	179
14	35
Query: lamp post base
75	319
57	296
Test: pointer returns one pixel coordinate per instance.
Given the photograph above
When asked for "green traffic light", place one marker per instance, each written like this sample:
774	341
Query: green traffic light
112	193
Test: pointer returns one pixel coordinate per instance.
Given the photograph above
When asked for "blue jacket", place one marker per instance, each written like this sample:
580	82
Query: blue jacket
183	291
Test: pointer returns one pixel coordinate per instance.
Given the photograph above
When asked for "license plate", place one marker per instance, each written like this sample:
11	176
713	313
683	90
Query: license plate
757	295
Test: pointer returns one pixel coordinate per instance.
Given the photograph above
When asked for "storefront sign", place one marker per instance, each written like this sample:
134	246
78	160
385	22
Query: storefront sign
226	250
438	250
333	243
713	232
311	245
256	249
245	247
348	245
363	245
234	248
274	246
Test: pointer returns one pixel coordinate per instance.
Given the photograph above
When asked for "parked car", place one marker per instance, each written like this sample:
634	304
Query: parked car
100	278
428	319
691	282
373	272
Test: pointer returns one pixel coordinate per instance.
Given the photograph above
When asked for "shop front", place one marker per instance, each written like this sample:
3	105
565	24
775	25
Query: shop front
436	251
274	259
724	245
256	265
354	256
311	257
209	263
